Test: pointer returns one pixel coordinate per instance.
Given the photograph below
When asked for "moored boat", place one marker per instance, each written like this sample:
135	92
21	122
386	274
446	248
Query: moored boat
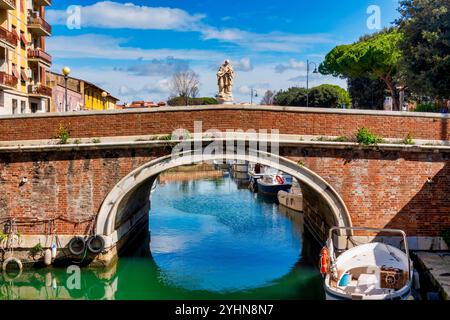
292	199
240	167
272	183
371	271
255	172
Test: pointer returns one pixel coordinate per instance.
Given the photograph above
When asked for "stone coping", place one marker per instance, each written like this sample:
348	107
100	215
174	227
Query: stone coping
149	141
235	107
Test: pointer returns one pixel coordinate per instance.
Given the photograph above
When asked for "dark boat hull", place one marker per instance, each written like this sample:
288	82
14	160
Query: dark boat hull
273	188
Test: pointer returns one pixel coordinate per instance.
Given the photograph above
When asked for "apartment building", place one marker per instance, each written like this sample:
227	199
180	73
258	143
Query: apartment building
23	60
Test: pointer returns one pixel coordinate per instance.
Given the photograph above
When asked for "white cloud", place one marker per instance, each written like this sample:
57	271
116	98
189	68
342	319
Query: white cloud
160	67
274	41
113	15
293	64
245	64
157	89
106	47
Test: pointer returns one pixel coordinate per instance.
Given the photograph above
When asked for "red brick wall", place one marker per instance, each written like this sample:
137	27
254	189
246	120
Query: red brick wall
145	123
380	188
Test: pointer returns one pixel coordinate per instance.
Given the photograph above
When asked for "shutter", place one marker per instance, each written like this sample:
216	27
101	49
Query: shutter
15	72
24	75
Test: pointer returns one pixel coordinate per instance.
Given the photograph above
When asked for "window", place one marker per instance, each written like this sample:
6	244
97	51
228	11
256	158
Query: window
2	100
23	106
14	106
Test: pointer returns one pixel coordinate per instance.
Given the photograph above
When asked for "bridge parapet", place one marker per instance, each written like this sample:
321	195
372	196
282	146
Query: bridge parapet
288	120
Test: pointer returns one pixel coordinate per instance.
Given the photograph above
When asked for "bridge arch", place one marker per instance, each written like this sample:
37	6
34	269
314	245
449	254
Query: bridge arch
140	180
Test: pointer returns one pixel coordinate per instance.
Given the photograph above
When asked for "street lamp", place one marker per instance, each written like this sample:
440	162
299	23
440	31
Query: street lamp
253	93
104	95
308	63
66	72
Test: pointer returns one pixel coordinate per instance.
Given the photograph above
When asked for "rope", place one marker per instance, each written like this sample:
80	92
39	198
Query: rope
33	220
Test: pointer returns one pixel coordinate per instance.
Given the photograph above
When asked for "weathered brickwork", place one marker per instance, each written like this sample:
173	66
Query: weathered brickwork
397	189
163	122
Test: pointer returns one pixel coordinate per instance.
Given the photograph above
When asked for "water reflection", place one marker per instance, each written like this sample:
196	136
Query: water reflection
210	239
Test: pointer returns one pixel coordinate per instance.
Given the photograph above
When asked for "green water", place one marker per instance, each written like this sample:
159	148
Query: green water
210	239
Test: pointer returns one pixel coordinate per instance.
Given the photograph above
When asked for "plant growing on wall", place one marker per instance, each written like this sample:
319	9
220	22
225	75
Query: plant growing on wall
445	234
365	136
37	249
408	139
63	134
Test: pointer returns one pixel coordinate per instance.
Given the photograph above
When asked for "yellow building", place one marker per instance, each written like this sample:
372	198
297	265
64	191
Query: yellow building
81	94
23	59
95	98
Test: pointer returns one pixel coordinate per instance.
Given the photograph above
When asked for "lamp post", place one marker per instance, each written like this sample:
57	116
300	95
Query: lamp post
66	72
104	95
308	63
253	93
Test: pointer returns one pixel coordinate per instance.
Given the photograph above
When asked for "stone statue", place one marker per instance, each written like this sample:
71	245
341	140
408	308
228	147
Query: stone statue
225	79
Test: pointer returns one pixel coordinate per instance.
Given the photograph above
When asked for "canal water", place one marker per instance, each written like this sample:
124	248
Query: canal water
209	239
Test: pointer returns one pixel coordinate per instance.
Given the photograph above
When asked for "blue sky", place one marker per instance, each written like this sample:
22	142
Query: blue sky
132	48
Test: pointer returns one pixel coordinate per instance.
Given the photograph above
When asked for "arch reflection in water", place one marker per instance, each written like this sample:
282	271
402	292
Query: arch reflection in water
215	236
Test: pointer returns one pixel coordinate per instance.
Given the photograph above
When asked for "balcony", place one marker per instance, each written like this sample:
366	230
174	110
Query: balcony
38	26
39	91
8	4
43	2
39	56
8	81
8	38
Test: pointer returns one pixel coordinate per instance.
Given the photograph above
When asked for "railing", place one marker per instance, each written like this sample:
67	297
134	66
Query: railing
34	19
8	80
39	54
40	90
8	36
9	3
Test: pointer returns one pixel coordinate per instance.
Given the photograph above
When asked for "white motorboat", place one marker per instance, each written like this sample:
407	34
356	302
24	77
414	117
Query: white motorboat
292	199
371	271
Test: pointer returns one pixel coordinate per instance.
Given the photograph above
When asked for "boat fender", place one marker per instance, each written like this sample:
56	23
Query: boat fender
5	265
54	251
48	257
416	280
324	260
77	246
48	279
279	179
96	244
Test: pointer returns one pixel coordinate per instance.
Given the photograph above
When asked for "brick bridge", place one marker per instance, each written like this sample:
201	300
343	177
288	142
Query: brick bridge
100	182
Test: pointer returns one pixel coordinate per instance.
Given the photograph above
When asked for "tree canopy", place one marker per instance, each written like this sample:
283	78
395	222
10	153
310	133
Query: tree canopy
326	95
425	25
181	101
375	56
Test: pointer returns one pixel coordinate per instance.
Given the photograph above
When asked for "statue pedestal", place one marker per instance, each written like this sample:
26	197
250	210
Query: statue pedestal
223	100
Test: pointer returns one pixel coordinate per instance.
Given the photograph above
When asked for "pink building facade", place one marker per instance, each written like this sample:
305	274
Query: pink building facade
75	99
